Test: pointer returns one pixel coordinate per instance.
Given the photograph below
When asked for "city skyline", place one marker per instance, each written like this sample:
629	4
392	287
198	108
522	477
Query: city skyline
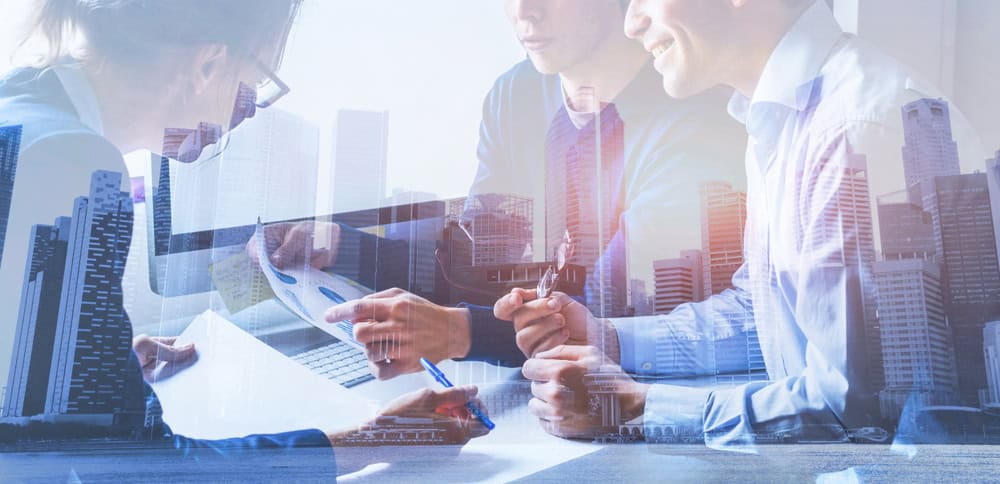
933	275
71	312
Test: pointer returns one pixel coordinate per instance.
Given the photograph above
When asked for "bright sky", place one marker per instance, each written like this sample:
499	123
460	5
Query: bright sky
422	61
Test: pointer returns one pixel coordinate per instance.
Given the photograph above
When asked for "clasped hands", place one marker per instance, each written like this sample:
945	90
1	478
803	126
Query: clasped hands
566	366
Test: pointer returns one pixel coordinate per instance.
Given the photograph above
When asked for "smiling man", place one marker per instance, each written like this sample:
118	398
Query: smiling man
539	139
823	115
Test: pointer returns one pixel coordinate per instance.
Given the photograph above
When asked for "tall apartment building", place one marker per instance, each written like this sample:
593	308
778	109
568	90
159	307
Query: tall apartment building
10	146
930	149
918	358
92	343
31	359
723	219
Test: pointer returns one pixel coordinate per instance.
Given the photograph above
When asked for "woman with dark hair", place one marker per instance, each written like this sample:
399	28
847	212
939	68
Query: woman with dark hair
117	74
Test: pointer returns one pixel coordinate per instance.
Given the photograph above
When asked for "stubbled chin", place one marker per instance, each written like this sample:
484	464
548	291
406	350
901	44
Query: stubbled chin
542	64
678	88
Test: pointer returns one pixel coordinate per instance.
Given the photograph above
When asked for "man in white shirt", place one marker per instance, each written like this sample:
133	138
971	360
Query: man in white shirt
822	112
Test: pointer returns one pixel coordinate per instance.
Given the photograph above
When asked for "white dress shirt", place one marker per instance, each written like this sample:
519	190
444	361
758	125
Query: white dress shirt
824	123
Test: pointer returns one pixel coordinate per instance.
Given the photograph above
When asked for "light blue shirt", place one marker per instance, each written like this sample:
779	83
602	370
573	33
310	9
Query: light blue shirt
825	136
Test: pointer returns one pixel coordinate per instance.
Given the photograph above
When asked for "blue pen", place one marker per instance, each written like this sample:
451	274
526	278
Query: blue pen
443	380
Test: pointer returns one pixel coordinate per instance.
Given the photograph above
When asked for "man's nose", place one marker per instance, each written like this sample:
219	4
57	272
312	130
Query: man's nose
636	20
526	10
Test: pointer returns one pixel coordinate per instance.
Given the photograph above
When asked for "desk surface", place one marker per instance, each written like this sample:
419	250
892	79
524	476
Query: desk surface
94	462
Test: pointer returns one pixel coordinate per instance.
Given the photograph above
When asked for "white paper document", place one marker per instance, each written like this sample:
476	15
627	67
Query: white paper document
309	292
240	386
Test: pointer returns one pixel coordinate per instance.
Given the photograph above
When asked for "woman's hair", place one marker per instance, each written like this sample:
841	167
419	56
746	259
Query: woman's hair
141	30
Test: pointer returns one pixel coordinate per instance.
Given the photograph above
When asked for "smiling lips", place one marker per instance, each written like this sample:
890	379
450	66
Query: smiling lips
661	48
535	43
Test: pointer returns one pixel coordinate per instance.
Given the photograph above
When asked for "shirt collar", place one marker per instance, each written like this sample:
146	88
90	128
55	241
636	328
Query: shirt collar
80	94
795	63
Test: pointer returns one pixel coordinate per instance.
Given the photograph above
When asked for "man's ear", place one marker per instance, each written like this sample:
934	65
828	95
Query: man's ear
209	66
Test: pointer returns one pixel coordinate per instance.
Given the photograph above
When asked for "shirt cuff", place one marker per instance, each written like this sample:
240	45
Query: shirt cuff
675	413
491	340
637	345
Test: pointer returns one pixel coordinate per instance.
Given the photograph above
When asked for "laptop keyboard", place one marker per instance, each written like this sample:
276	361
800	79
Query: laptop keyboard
337	361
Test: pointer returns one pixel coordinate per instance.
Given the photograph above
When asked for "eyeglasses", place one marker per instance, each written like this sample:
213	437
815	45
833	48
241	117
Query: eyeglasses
549	282
270	88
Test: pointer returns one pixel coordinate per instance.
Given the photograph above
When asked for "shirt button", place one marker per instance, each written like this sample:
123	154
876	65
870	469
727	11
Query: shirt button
647	366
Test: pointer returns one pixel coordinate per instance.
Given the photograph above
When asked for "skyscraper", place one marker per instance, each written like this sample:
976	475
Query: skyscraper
918	359
993	176
360	160
906	230
359	180
585	165
10	150
420	236
92	341
500	226
723	219
639	298
678	281
991	353
963	228
31	359
929	150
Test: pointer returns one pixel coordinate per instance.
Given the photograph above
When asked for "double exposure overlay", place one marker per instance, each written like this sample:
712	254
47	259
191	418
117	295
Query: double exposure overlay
574	240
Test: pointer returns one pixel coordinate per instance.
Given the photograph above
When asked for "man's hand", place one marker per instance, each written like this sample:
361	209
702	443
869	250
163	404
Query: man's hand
150	351
564	381
398	328
294	243
543	324
444	412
